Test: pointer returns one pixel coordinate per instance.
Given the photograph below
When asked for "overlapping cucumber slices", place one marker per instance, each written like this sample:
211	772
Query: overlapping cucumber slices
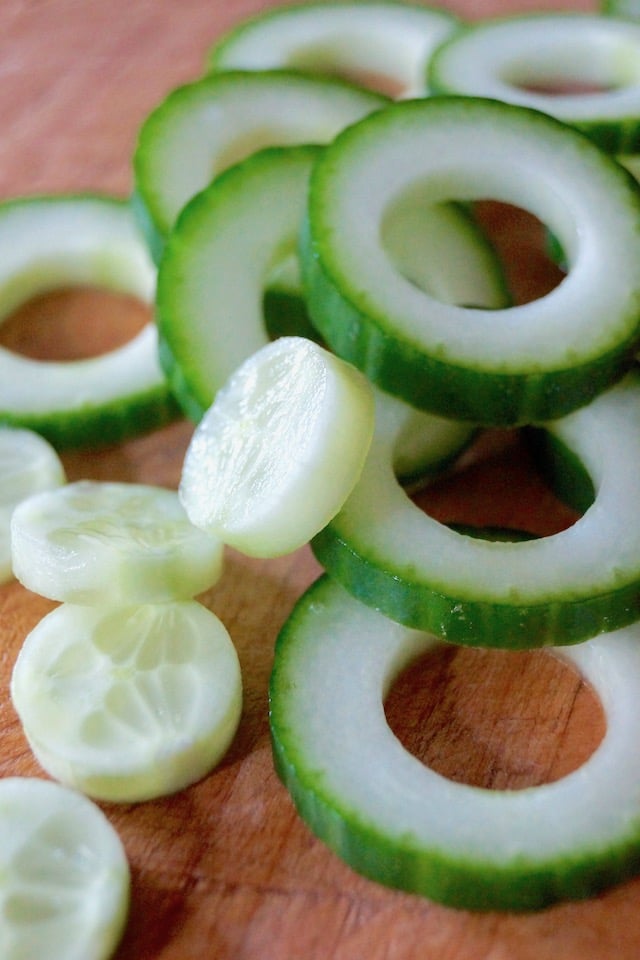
282	204
372	240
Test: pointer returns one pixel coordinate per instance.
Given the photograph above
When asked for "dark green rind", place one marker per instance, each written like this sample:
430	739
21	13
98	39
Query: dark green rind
486	398
406	865
613	136
561	469
403	596
467	885
99	426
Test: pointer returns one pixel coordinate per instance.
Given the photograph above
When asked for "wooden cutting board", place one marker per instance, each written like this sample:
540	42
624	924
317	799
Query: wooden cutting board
226	870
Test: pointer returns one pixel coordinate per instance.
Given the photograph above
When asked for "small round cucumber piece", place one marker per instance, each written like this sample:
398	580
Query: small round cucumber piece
204	127
503	367
555	590
389	41
280	449
111	544
65	875
49	243
128	703
582	68
393	819
28	464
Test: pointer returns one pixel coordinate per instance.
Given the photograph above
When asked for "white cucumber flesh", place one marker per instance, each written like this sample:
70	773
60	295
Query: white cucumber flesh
204	127
378	40
555	590
582	68
111	544
131	703
49	243
28	464
397	821
279	450
65	876
521	364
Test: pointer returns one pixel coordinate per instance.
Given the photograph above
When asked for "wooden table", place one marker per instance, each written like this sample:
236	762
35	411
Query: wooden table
226	870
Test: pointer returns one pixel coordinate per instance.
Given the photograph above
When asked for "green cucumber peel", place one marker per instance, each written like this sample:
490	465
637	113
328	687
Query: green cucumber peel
505	367
555	590
521	59
379	38
399	823
201	128
51	242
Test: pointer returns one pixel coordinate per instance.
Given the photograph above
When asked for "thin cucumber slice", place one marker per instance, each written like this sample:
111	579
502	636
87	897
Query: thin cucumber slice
53	242
555	590
111	544
528	59
28	464
202	128
280	449
392	41
504	367
236	241
65	876
398	822
131	703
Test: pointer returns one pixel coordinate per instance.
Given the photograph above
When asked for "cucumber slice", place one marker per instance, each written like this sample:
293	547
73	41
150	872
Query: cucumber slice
53	242
524	59
28	464
555	590
65	876
202	128
398	822
280	449
236	241
111	544
388	40
131	703
505	367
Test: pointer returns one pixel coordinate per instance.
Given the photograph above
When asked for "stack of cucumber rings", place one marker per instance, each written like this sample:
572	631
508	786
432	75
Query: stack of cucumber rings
346	215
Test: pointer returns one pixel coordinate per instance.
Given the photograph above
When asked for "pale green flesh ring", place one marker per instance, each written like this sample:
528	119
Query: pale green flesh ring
397	821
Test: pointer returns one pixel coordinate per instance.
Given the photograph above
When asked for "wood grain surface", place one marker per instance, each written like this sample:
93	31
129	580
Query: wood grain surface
226	870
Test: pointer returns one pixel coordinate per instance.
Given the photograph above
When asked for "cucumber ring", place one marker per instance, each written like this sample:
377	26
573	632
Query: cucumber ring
505	367
500	58
380	38
238	237
554	590
398	822
51	242
204	127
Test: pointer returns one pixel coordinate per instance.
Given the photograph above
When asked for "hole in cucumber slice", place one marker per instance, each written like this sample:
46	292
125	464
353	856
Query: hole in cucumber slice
500	246
73	324
497	485
525	248
496	719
